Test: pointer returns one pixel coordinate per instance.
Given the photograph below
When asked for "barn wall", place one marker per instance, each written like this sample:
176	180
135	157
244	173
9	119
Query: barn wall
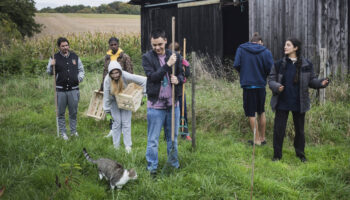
156	17
200	25
202	28
317	23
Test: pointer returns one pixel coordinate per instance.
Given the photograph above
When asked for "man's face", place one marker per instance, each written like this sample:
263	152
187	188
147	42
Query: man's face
115	74
158	45
113	45
64	47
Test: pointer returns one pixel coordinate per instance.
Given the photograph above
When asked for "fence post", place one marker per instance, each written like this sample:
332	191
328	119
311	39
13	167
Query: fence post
323	73
194	66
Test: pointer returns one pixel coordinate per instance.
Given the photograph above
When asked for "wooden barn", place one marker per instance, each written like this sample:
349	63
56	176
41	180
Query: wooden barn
218	27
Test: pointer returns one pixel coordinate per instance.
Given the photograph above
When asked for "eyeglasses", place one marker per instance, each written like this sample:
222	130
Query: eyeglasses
113	45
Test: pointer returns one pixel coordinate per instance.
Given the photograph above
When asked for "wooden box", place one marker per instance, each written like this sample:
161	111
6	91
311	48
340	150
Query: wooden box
130	98
95	109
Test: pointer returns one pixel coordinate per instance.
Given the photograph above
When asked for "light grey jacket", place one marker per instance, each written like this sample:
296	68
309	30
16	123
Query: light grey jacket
307	79
127	78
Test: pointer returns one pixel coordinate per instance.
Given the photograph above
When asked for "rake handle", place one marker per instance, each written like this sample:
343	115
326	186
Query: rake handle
173	85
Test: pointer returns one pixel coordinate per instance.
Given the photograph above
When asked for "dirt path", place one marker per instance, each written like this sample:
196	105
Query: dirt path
58	24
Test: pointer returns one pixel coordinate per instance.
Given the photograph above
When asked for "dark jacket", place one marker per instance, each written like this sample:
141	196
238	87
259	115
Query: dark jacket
253	61
307	79
155	73
66	71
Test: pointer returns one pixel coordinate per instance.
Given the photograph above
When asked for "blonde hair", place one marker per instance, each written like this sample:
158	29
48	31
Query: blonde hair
117	86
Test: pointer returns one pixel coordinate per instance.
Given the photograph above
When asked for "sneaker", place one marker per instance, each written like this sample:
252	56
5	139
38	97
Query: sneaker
153	174
109	134
303	159
188	138
128	149
64	136
75	134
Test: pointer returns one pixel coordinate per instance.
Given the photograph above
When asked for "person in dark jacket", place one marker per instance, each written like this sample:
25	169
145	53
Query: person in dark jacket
69	72
157	66
289	81
253	61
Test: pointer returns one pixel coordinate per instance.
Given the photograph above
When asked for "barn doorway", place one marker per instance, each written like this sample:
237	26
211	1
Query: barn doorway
235	21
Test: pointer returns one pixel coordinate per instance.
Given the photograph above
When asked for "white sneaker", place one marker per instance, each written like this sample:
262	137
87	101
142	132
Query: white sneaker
64	136
109	134
128	149
75	134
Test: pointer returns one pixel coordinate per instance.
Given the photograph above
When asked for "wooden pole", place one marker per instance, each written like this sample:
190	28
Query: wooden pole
183	92
194	64
253	159
173	85
323	73
54	86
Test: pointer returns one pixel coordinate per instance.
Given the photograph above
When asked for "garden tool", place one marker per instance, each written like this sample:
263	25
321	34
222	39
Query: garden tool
54	87
183	124
172	154
253	158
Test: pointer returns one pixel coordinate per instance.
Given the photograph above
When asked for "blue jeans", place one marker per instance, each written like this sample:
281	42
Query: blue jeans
156	119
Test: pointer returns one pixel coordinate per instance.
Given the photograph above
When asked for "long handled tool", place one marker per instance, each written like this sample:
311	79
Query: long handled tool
54	87
172	154
183	122
253	158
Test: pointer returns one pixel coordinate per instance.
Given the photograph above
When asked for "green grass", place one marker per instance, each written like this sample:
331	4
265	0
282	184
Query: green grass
220	168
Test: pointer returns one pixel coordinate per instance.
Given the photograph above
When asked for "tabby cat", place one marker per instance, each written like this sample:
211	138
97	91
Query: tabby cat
112	171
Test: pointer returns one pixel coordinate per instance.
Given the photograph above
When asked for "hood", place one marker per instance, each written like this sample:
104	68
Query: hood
253	47
114	65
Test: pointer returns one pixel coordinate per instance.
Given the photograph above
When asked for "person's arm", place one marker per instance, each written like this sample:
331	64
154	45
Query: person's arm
105	72
237	62
272	79
152	74
81	72
128	64
49	67
139	80
186	65
107	99
315	82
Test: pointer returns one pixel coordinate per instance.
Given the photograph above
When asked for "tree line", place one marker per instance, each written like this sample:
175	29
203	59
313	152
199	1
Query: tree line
111	8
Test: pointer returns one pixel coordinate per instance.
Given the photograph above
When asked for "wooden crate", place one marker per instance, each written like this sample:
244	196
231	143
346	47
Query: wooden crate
95	109
130	98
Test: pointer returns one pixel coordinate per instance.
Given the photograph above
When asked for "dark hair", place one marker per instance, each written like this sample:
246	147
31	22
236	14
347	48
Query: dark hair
296	43
60	40
256	37
156	33
113	39
176	46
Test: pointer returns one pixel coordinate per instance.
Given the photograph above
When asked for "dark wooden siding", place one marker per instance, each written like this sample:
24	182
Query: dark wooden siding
156	17
202	28
317	23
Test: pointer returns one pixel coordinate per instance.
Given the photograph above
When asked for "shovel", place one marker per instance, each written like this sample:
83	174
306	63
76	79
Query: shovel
183	121
172	154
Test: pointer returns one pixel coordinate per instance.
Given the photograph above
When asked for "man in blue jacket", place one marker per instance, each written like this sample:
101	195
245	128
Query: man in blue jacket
157	66
253	61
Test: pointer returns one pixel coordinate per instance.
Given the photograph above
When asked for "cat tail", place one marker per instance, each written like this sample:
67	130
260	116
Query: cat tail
88	157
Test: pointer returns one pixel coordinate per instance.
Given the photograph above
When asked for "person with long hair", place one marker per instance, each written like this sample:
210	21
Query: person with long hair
289	80
114	83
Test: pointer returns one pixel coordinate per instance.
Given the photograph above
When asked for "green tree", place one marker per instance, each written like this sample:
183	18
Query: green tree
21	12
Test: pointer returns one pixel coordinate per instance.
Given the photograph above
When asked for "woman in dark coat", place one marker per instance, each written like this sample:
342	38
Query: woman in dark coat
289	80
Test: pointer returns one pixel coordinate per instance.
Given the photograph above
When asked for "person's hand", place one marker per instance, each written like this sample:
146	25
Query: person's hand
281	88
174	80
325	82
172	60
108	116
53	62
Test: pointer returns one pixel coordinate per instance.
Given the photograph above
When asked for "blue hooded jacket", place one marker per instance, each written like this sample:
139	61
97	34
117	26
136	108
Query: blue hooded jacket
253	61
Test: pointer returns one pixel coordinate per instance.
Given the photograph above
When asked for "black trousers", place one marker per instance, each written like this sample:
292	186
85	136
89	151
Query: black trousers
279	132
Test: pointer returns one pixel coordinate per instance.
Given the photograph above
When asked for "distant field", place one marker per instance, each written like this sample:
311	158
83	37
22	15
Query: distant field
59	23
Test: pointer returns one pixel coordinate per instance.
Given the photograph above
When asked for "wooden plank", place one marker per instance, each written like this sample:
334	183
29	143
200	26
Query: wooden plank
199	3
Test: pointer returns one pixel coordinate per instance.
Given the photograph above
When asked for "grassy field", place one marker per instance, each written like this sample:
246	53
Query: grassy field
220	168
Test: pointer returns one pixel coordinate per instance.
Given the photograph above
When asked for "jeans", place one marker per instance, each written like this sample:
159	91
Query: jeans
156	119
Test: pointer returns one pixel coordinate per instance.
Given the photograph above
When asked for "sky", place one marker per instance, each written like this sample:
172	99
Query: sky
39	4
